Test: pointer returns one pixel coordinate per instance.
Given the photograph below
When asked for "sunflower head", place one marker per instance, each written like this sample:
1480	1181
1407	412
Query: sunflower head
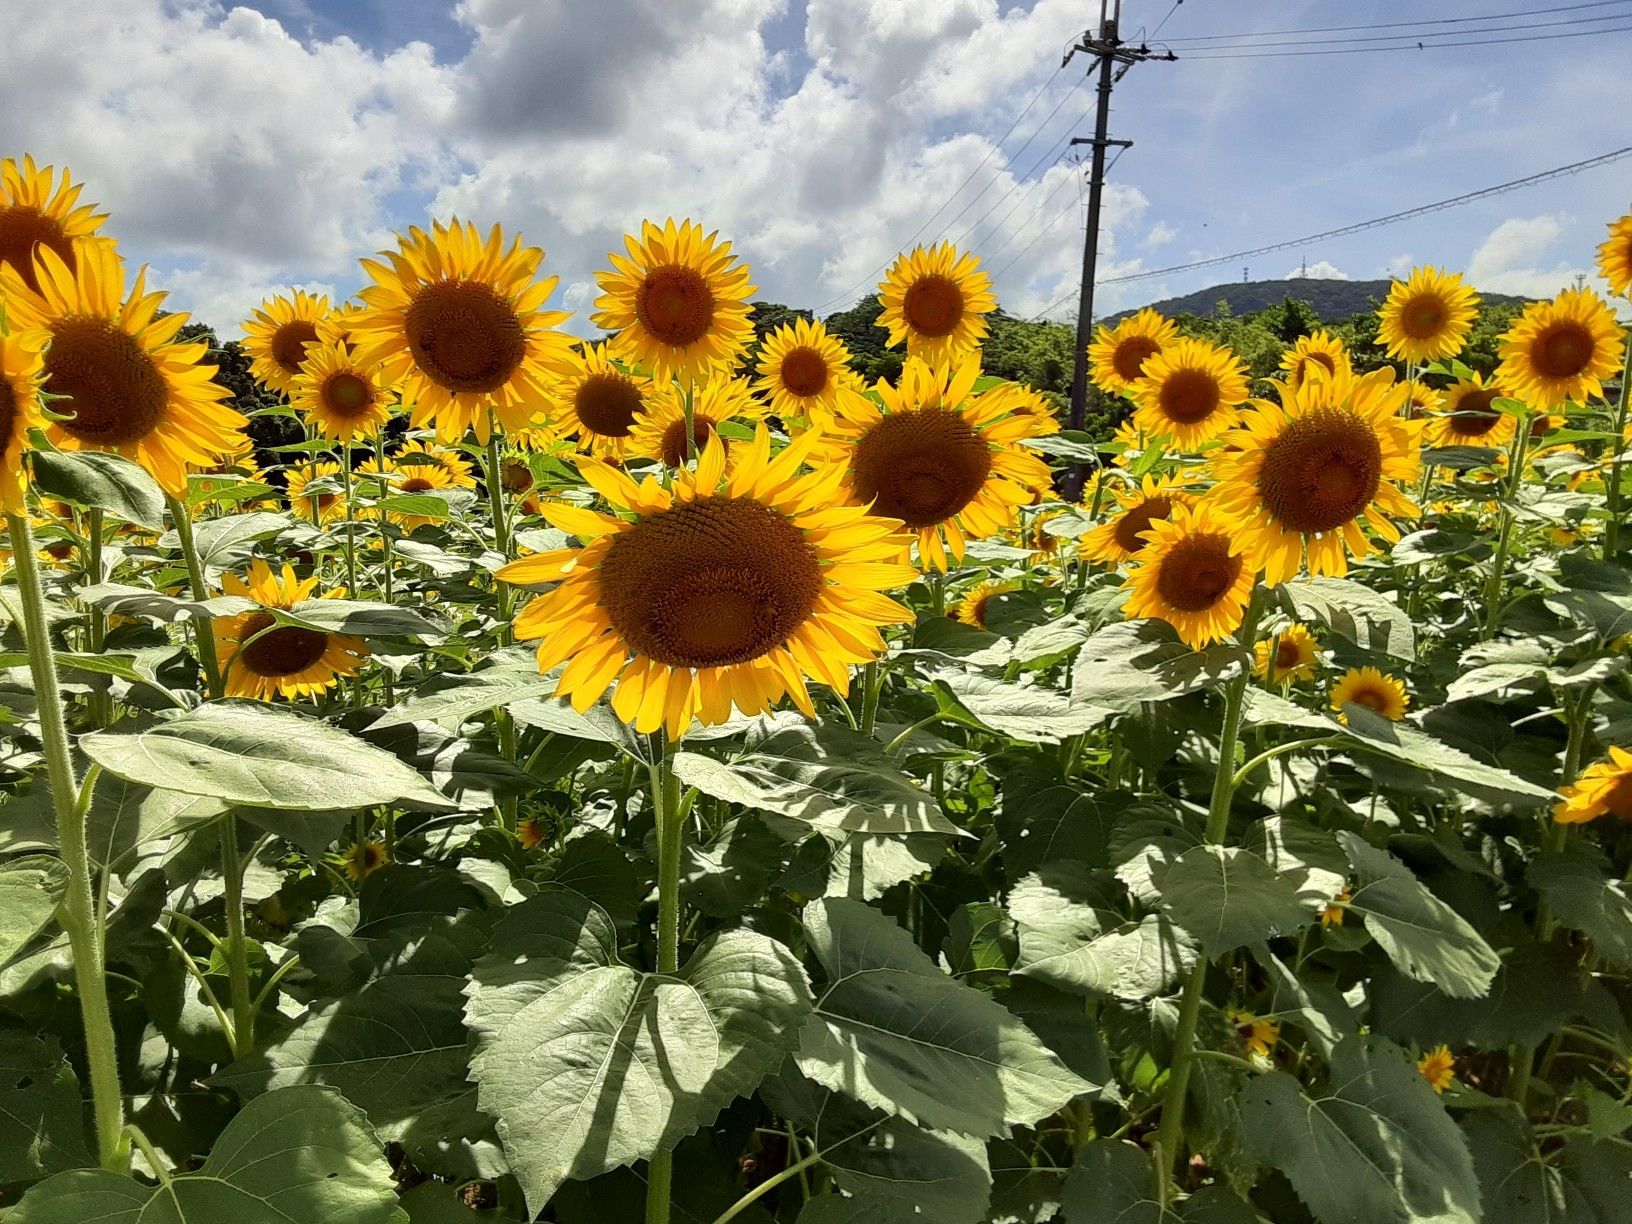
1123	535
338	326
414	454
1562	350
261	659
1427	317
678	301
278	334
1421	400
936	300
1189	392
20	374
804	372
659	430
406	479
39	210
1603	789
322	505
362	859
338	395
1467	416
1366	686
1116	358
1286	655
1259	1034
1332	914
1320	355
1192	573
972	607
1615	256
597	403
533	832
1438	1067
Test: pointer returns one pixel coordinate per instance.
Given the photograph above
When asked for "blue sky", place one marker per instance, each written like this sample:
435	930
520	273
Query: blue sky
244	149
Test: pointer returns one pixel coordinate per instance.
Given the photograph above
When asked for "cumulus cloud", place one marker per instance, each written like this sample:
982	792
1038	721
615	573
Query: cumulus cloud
1510	259
1321	269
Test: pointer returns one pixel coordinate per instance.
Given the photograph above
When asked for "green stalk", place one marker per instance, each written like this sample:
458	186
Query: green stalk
872	685
79	913
1504	538
666	807
101	703
1170	1134
503	725
691	421
351	523
1612	533
203	630
243	1010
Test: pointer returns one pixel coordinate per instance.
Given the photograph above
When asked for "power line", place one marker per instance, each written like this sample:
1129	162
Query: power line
1386	25
1357	227
1052	155
1165	20
1420	46
1249	43
1046	157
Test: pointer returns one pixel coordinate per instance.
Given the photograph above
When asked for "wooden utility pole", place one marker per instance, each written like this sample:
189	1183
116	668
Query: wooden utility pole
1109	50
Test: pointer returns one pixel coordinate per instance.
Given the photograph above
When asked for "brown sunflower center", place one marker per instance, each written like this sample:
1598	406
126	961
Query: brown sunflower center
804	371
978	606
1197	572
1188	396
933	306
8	412
465	335
1618	799
289	343
674	439
1138	520
518	477
1286	654
709	583
113	388
24	227
1563	350
606	404
1131	355
1370	696
1321	471
920	467
1424	316
281	652
675	305
415	484
1474	417
347	395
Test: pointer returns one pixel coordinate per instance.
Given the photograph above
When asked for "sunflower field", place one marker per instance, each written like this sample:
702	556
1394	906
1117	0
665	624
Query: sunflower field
666	778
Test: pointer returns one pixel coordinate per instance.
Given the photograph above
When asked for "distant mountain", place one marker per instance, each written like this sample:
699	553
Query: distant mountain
1331	299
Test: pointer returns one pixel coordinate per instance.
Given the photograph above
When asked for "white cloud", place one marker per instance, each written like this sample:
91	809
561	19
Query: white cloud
1321	269
1510	259
1160	235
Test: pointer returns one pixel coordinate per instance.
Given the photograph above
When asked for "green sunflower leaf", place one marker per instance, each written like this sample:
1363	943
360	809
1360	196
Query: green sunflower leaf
104	481
1228	897
31	888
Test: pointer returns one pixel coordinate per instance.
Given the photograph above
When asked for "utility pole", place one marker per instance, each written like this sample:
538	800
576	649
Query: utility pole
1109	50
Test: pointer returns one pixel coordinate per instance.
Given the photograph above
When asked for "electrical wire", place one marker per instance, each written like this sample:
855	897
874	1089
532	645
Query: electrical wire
1388	25
1419	46
1050	157
1425	38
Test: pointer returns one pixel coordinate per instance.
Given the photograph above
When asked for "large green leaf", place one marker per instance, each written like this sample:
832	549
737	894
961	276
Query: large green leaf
1316	1006
1033	713
360	618
103	480
1368	618
1374	1147
1425	938
894	1032
114	598
1455	769
1305	855
1587	1182
823	776
226	542
297	1155
31	888
41	1122
1112	1183
1227	897
1136	661
1583	892
262	756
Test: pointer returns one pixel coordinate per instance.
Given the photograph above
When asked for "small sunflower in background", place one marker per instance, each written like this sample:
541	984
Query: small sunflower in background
414	454
1117	356
597	402
938	457
1190	393
936	300
805	373
123	381
406	480
362	859
277	335
339	395
1320	355
1261	1034
1421	400
323	506
678	302
1561	351
1615	256
1299	477
263	662
1438	1067
1036	537
1122	536
1332	914
1603	789
1466	416
532	832
972	607
1193	573
1428	317
340	324
38	209
458	323
1366	686
1288	655
659	430
20	374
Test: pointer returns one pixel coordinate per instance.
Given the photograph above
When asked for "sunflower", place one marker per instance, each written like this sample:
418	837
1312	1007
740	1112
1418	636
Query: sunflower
1295	652
459	322
1466	416
339	325
32	216
934	300
1438	1067
599	401
1421	400
362	859
20	374
1561	350
805	372
971	609
1301	475
727	590
1615	256
116	369
338	395
1604	788
1332	914
460	474
416	478
287	661
1260	1033
532	832
1320	355
1366	686
320	507
1428	317
678	302
1036	537
1189	393
940	458
1193	574
1117	356
240	467
1123	535
659	431
278	334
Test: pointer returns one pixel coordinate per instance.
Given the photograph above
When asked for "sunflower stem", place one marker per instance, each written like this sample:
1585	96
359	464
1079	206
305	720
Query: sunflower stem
691	421
503	725
351	520
872	685
1504	538
243	1010
203	628
80	915
101	702
1170	1134
666	810
1612	532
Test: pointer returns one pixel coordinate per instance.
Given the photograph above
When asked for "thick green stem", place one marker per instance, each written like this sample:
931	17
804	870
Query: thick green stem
666	808
101	704
503	725
1504	535
81	917
351	522
1612	532
872	684
243	1009
203	630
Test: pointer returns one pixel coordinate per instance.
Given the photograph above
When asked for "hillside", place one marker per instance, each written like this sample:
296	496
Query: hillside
1331	299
